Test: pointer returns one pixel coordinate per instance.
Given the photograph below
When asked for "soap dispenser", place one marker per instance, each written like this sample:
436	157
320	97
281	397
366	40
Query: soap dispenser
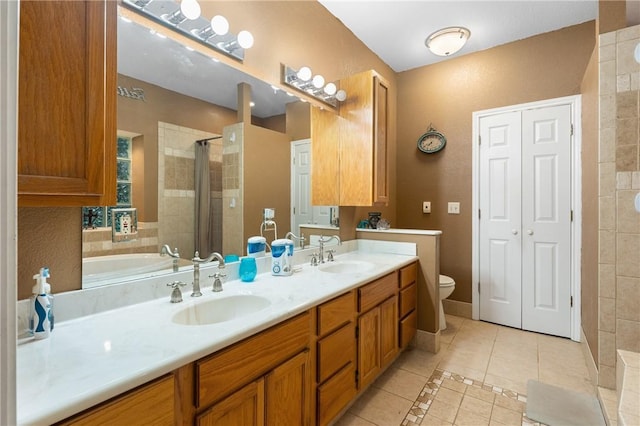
41	317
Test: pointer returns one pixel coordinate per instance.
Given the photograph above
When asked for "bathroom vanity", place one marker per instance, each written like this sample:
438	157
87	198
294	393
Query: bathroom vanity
325	335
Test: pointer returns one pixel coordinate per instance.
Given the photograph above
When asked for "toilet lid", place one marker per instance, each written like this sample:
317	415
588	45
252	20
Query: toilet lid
446	281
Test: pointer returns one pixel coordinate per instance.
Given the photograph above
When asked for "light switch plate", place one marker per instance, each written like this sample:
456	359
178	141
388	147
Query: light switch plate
426	207
453	208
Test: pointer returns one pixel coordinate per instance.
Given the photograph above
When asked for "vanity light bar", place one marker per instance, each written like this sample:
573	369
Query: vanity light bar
169	14
314	86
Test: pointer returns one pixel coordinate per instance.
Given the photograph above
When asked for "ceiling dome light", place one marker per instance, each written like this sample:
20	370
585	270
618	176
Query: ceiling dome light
245	39
304	73
219	25
447	41
318	81
330	89
190	9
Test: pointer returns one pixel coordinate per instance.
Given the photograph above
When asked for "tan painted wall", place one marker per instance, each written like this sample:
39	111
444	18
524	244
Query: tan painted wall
589	269
446	94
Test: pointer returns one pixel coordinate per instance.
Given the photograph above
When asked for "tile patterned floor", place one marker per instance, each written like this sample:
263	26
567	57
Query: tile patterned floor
478	378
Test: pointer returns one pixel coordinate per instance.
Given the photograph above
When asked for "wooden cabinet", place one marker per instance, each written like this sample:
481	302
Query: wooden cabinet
67	103
245	407
336	356
152	403
350	150
407	305
288	392
377	327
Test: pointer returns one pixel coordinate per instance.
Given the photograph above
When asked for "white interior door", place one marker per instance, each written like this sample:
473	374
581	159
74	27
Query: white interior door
546	208
525	219
500	219
301	209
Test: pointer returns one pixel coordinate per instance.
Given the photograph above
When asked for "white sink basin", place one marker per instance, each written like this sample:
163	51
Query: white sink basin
220	310
346	267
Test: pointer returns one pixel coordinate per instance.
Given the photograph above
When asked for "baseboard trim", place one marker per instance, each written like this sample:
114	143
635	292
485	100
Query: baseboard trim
591	363
457	308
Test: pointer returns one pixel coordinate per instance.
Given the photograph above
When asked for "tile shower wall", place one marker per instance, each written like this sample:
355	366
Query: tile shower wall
619	229
176	187
97	242
232	194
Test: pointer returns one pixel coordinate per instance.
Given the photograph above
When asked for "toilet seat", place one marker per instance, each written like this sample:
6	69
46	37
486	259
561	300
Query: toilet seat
446	281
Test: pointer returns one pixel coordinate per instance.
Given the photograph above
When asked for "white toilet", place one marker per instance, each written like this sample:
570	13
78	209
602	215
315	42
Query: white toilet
447	285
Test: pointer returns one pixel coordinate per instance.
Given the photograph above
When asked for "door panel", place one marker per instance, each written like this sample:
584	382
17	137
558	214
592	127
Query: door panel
301	185
500	282
546	207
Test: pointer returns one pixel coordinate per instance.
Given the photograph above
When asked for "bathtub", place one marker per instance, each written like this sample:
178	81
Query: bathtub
102	270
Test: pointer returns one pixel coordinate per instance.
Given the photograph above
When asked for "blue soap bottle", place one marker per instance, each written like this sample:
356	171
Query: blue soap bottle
41	317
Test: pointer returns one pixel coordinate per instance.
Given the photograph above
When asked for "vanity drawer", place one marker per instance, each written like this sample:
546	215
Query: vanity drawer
372	294
335	394
335	351
408	327
408	298
335	313
225	371
408	274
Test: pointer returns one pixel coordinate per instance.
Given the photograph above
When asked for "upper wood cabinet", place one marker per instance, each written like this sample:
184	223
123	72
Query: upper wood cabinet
350	149
67	103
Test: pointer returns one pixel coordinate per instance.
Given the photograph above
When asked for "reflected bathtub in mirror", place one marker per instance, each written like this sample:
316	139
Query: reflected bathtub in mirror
104	270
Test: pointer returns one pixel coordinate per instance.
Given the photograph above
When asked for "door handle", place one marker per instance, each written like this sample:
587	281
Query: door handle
514	231
529	231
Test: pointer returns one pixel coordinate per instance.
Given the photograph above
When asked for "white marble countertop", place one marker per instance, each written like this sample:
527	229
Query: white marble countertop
402	231
93	358
316	226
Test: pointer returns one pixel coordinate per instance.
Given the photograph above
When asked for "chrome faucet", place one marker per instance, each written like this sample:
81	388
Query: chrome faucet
322	241
176	256
291	236
197	261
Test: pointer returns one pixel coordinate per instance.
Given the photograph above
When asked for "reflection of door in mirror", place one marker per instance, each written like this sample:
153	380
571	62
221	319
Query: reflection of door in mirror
302	212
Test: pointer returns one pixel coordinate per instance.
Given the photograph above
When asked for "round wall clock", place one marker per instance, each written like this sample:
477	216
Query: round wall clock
432	141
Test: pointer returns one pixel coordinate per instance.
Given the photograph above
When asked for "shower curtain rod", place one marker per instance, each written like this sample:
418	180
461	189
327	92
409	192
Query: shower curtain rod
201	141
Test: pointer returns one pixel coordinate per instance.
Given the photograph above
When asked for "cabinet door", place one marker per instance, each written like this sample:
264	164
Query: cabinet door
242	408
325	161
67	103
288	392
388	330
369	362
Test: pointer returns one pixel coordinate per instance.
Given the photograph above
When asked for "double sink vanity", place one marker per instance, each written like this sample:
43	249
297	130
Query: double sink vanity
278	350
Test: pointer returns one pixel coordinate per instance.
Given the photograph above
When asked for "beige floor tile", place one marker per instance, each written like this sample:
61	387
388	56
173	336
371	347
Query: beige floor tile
381	407
462	369
566	381
453	385
350	420
506	383
443	411
515	336
517	372
480	393
554	363
515	351
449	396
467	417
477	406
401	382
473	359
506	416
419	362
429	420
511	404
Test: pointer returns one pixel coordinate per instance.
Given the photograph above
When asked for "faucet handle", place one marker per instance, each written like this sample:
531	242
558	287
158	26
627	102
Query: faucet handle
176	294
330	255
217	280
314	259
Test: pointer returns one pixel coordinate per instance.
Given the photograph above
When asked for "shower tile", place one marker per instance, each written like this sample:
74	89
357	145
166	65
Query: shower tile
627	104
626	131
628	335
627	158
607	146
607	78
628	295
628	249
607	179
607	246
607	213
607	317
607	348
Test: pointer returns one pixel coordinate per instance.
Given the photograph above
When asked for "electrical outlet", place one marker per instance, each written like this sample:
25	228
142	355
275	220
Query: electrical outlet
426	207
453	208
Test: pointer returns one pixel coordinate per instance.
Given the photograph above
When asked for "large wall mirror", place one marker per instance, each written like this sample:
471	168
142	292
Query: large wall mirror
180	140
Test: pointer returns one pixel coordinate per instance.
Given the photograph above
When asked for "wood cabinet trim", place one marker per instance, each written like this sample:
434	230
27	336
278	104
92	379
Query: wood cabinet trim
335	313
408	300
408	274
335	351
372	294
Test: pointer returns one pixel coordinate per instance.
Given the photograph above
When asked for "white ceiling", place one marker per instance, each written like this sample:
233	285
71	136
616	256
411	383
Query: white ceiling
396	30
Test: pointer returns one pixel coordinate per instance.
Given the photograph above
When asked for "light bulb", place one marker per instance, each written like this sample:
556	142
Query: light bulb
245	39
330	89
190	9
252	104
341	95
304	73
318	81
219	25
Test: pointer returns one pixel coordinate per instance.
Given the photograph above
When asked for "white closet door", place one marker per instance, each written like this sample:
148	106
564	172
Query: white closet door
546	220
500	219
302	211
